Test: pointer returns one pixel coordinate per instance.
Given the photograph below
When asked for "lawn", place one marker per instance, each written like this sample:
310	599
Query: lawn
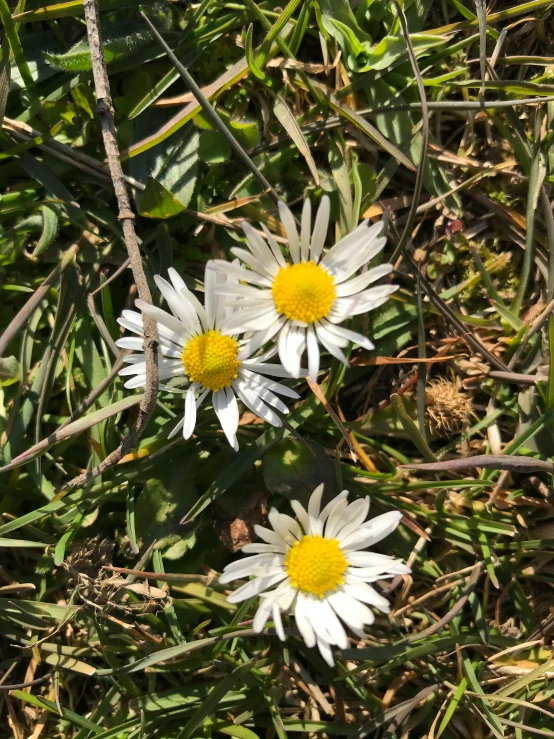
249	251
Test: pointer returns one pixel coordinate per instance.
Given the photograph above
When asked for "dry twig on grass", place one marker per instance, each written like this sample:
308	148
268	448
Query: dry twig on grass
105	111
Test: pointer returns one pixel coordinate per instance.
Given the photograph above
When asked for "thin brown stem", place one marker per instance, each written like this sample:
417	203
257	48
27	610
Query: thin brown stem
105	112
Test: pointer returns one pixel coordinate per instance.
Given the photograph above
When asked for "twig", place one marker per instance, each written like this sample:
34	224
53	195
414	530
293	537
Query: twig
21	318
164	576
517	378
453	612
105	112
513	463
318	392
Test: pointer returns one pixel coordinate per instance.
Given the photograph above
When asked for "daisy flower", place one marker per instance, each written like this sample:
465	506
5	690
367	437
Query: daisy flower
318	570
304	296
191	345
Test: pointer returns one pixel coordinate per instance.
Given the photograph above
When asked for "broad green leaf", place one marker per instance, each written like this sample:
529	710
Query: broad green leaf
10	371
172	177
248	457
293	469
213	148
390	48
77	59
165	498
339	22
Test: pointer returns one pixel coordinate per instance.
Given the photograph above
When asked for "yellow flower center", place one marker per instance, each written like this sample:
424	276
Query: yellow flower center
211	359
316	565
303	292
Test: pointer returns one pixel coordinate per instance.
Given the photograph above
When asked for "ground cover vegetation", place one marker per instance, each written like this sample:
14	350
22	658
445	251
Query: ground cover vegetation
433	119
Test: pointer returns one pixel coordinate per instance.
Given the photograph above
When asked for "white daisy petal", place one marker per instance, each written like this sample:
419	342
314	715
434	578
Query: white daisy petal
260	249
296	343
337	500
176	429
214	303
255	319
264	387
351	611
301	515
260	268
250	566
160	316
366	594
339	333
346	268
369	559
262	615
353	517
331	343
277	387
313	354
287	219
285	526
168	337
362	239
180	307
333	625
190	412
360	303
181	289
305	230
359	283
318	614
241	272
276	370
251	399
335	518
264	548
274	246
255	587
372	532
282	346
314	504
136	343
284	594
226	409
261	338
133	319
325	651
303	622
267	535
377	572
245	291
276	613
320	228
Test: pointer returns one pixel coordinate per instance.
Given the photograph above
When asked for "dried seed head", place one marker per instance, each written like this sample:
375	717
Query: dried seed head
448	407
